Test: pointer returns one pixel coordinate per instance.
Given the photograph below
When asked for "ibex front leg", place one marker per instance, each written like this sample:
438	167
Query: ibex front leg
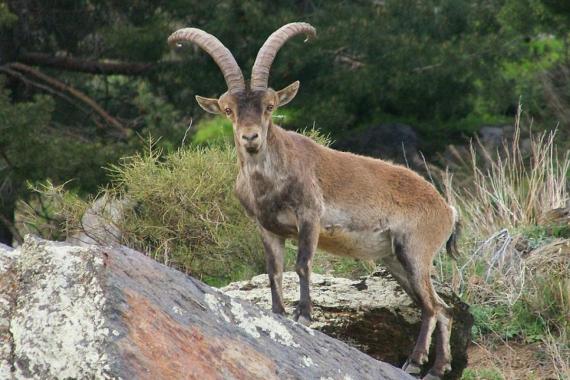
308	239
274	246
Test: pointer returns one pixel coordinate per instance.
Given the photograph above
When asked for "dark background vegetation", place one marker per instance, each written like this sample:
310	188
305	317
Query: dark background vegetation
85	82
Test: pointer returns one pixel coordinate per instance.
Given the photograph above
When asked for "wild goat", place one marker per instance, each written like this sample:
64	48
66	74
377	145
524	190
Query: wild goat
346	204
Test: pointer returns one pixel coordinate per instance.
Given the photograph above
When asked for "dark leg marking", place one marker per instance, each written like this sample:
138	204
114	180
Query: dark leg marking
308	239
274	246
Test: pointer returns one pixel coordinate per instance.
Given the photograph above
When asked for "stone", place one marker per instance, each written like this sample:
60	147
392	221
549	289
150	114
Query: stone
391	141
372	314
8	287
114	313
100	222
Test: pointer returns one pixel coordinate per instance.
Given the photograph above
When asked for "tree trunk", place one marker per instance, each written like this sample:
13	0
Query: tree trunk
6	224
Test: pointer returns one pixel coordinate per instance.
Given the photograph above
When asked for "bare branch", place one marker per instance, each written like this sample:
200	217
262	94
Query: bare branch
59	85
86	65
40	86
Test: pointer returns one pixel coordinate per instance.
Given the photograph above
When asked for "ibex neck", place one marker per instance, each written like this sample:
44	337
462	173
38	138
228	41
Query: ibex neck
271	155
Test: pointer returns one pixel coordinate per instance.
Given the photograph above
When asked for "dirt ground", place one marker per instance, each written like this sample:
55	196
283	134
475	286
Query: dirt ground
515	361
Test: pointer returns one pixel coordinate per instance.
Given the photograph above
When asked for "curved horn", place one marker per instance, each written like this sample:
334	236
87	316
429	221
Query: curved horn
267	53
217	50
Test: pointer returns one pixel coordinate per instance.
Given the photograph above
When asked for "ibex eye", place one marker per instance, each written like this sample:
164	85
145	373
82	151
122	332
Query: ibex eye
228	111
270	107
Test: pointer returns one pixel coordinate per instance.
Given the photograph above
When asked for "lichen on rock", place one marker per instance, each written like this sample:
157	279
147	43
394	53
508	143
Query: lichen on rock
110	312
57	324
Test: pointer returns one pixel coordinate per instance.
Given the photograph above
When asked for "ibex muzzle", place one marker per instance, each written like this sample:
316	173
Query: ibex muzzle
343	203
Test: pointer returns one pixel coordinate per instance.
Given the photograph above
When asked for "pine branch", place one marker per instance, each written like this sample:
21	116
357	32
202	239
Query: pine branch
21	77
86	65
60	86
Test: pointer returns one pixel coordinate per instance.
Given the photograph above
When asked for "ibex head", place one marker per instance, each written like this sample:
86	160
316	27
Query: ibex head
248	107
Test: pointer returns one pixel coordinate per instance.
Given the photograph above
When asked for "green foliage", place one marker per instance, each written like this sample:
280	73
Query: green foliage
482	374
187	215
29	141
516	321
214	130
7	18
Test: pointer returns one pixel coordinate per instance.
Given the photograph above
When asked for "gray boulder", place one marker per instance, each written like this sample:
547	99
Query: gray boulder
108	313
372	314
392	141
100	222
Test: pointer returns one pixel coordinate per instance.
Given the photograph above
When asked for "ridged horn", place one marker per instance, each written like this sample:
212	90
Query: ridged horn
217	50
267	53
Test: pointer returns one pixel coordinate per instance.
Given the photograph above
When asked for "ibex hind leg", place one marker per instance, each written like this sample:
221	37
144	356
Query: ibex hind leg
416	260
443	348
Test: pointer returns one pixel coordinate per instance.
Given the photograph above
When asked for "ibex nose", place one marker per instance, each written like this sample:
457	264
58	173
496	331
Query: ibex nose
249	138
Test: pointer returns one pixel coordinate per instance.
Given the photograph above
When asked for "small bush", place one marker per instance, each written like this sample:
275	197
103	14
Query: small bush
187	215
53	213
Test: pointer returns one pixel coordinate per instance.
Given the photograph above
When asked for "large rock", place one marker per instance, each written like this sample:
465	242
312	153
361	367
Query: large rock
7	299
392	141
90	312
372	314
100	222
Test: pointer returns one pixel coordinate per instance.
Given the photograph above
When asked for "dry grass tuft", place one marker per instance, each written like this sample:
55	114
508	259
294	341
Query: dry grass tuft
512	188
517	272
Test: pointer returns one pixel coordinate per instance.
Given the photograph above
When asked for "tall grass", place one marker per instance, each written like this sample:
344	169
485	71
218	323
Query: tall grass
515	270
512	188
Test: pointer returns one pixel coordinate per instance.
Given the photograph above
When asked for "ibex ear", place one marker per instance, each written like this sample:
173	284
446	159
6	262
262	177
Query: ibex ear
288	93
209	105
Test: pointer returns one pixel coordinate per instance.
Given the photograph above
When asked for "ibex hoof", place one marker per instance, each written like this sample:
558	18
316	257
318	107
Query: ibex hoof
437	372
431	376
304	320
302	314
412	368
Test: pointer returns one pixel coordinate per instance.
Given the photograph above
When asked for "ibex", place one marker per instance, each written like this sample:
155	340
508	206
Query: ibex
345	204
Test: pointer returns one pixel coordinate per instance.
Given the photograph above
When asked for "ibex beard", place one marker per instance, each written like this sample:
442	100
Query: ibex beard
346	204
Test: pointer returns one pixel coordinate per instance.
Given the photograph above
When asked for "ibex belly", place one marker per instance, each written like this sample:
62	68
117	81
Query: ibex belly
364	244
344	234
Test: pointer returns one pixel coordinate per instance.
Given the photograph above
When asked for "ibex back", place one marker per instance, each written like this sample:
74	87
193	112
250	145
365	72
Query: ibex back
343	203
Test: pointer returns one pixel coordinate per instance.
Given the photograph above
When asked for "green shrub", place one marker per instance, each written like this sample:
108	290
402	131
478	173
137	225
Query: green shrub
186	214
481	374
53	213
